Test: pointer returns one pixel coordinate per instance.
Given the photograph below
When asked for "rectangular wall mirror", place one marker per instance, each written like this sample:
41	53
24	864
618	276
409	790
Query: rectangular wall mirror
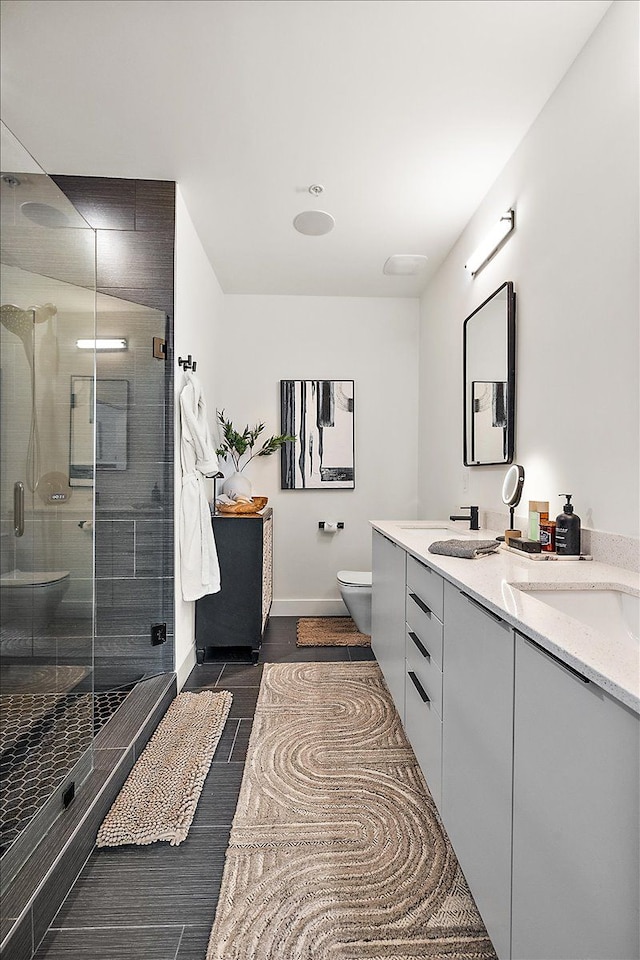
489	351
111	422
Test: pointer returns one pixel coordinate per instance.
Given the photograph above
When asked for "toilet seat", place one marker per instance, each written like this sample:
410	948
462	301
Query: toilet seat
32	578
355	578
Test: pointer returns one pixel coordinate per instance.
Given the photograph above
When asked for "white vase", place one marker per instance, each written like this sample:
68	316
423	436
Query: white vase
237	485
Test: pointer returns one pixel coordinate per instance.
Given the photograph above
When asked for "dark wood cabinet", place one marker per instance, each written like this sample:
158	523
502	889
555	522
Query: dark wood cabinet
236	617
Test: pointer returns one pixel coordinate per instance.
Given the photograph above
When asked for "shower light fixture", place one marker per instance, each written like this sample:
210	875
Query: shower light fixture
115	343
491	244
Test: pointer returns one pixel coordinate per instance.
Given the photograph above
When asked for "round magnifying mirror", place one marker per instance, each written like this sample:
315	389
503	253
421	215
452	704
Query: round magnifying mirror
511	493
512	486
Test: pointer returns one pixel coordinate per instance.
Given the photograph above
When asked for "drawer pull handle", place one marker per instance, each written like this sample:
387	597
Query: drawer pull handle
489	613
420	603
423	694
421	647
560	662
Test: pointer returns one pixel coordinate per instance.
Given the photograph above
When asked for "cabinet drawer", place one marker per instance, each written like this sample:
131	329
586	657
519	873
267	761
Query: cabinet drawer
423	727
422	621
425	668
427	584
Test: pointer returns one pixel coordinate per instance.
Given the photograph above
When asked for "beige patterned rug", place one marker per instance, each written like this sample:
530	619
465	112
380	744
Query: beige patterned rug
330	632
336	850
159	798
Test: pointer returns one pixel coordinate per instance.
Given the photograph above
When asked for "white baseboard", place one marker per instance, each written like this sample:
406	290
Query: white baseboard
186	667
308	608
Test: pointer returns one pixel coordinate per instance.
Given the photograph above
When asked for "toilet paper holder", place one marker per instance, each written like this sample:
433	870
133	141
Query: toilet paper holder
321	524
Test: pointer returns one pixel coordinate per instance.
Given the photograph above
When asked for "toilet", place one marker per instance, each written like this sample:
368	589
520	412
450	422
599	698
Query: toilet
355	590
32	598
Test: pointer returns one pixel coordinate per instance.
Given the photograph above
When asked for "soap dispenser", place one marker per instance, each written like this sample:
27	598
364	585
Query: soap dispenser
567	530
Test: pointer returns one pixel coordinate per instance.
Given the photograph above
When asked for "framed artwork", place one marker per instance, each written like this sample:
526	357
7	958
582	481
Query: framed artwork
320	415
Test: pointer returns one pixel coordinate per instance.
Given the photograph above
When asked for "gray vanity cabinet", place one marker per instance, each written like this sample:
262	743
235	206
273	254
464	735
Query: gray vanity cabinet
576	817
387	614
477	754
423	679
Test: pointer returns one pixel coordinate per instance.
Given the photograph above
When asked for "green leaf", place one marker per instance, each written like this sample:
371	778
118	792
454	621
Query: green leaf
237	444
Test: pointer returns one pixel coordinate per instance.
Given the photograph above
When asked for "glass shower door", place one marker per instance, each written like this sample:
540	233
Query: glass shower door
47	297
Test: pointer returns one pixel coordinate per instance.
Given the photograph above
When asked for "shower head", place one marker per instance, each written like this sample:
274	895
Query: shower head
21	321
17	320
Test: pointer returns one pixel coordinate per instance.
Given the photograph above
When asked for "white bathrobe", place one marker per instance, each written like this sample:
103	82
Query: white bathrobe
199	568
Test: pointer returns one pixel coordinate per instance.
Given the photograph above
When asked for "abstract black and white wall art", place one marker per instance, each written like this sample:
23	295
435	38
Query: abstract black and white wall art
320	415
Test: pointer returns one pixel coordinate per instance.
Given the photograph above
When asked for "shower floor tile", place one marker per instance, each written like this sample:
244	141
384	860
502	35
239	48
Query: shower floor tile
105	704
42	736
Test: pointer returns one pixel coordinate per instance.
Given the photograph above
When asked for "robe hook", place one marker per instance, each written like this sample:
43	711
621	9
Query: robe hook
188	364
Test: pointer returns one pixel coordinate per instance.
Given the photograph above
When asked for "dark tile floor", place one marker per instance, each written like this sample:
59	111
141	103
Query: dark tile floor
158	902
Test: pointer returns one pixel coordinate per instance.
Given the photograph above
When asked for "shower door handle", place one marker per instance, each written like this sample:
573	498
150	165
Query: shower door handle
18	508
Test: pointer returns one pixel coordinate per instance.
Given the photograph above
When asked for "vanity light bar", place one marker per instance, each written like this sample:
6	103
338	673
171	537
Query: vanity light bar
492	242
115	343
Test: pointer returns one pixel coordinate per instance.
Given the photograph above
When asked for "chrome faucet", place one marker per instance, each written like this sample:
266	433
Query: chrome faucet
472	518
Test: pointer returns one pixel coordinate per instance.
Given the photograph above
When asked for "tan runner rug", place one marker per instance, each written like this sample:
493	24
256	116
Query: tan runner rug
159	798
336	850
330	632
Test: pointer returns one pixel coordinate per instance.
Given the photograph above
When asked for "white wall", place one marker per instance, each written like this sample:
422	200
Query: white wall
198	304
574	261
372	341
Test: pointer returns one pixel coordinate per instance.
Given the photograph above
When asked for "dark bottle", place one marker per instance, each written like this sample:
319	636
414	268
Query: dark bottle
567	530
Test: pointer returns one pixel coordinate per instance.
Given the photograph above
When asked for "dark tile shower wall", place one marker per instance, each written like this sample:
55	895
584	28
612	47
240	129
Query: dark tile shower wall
135	224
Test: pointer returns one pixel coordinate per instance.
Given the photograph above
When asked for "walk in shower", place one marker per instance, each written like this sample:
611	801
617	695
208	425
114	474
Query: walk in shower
86	513
48	305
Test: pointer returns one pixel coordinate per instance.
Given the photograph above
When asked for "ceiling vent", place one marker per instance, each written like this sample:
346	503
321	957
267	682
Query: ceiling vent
404	265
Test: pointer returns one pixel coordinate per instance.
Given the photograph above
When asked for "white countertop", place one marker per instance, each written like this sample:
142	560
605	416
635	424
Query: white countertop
613	664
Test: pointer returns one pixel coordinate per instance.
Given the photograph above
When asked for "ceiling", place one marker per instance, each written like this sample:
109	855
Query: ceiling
404	110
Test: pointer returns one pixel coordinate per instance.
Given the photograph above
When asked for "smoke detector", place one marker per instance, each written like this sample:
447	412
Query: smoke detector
404	265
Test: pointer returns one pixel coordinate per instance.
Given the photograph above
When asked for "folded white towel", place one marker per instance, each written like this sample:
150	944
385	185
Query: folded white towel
239	498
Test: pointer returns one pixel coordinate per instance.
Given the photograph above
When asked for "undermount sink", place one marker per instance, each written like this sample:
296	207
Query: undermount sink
434	529
611	611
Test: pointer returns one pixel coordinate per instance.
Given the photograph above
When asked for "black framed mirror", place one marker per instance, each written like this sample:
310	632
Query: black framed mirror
489	376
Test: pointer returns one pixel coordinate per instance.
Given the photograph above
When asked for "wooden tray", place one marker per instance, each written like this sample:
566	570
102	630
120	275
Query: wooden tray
257	503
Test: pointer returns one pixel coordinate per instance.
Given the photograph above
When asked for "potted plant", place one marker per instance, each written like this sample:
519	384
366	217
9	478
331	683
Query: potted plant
236	446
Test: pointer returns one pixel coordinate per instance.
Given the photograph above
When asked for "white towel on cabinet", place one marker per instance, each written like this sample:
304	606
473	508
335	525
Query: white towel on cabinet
199	567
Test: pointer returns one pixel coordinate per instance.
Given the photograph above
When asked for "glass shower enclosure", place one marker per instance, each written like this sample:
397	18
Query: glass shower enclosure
48	307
